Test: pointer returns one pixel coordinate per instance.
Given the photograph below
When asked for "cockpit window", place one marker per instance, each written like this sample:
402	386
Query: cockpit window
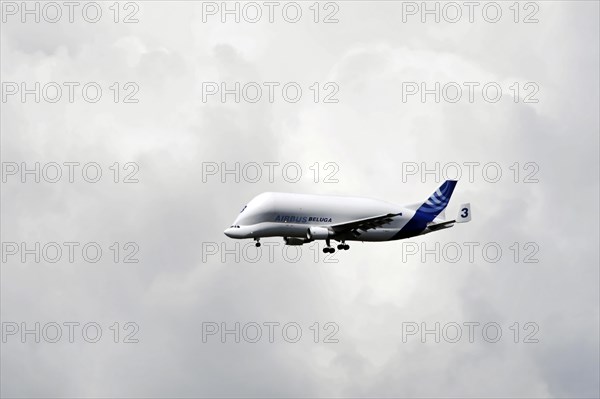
245	206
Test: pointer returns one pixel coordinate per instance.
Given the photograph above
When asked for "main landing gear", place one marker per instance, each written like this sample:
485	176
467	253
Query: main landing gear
257	242
329	249
344	246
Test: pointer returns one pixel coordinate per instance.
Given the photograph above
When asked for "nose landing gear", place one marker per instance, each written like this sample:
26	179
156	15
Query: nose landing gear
257	242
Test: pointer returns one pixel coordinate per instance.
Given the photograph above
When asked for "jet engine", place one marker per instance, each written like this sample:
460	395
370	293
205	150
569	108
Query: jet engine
295	240
318	233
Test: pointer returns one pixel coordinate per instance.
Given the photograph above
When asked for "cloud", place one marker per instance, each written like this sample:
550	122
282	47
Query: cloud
371	292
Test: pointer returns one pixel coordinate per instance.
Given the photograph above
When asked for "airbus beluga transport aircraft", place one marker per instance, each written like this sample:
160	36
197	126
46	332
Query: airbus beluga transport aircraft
302	218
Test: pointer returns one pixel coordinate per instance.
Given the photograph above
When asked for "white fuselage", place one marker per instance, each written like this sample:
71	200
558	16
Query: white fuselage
291	215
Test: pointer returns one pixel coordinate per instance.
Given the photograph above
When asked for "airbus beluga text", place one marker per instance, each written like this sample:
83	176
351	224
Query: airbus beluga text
302	218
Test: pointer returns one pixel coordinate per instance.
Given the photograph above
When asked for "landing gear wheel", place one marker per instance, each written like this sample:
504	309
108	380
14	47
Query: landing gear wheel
257	242
343	246
328	250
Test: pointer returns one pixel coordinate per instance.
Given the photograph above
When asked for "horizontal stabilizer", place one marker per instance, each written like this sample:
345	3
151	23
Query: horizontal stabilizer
442	225
464	215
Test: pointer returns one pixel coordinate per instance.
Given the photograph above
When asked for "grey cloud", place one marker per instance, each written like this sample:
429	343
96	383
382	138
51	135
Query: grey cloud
370	292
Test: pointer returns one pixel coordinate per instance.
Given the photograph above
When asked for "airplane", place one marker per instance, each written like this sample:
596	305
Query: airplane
302	218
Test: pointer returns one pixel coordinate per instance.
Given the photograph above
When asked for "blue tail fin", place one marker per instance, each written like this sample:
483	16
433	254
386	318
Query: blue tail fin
438	200
428	211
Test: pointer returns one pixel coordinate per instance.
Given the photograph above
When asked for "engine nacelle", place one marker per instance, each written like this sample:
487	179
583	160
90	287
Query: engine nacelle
318	233
295	240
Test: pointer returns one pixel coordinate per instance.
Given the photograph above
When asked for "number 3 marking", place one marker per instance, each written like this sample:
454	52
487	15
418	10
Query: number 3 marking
465	212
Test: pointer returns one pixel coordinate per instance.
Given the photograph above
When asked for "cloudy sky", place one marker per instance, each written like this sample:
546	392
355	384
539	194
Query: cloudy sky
365	122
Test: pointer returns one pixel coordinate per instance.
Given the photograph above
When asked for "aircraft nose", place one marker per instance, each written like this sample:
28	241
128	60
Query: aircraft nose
229	232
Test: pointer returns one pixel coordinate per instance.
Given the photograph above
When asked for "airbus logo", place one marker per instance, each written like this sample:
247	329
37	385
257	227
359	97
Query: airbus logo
301	219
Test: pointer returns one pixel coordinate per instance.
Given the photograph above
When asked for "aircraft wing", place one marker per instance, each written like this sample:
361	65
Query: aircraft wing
363	224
